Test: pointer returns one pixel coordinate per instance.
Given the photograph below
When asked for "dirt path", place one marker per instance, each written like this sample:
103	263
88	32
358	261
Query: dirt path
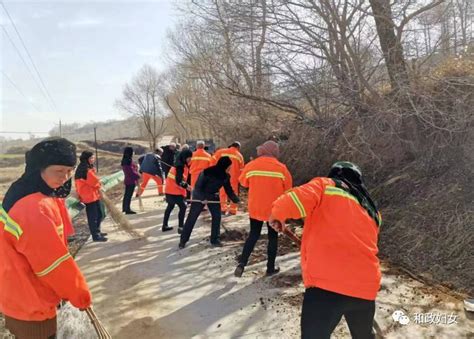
147	288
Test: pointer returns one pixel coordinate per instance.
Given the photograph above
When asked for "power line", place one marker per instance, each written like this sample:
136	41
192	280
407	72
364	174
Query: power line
14	132
20	91
31	59
26	65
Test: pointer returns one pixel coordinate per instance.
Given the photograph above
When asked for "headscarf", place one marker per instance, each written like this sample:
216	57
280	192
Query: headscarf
351	175
269	149
127	156
84	165
219	169
182	156
51	151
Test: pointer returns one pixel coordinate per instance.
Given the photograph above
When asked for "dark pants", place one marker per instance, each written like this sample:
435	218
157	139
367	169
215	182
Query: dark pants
322	311
196	209
188	193
255	231
173	200
127	197
94	218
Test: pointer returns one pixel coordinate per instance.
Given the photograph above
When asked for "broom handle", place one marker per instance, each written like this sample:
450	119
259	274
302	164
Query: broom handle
165	163
201	201
292	236
286	231
99	328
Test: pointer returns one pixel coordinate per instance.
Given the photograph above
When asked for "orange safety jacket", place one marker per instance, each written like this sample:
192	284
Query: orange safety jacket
267	179
237	161
88	189
339	244
36	269
171	187
199	162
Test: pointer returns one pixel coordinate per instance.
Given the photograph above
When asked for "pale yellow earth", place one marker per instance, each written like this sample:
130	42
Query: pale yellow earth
147	288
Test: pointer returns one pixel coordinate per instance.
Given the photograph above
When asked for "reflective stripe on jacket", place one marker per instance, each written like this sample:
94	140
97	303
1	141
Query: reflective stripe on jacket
36	269
339	245
237	161
199	162
171	186
267	179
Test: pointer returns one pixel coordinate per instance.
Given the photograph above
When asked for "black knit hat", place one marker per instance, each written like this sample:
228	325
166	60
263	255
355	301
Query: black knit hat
224	162
51	151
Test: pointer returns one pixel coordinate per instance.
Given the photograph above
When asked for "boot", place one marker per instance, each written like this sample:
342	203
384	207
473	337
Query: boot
273	271
166	228
99	239
239	270
216	243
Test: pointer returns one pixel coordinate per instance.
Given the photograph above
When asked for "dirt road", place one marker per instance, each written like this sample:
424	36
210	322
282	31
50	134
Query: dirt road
147	288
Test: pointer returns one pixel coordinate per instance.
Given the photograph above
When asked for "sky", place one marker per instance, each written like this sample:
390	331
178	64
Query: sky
85	52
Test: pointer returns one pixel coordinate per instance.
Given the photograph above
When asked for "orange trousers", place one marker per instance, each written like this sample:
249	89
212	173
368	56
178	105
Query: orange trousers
147	177
194	178
225	201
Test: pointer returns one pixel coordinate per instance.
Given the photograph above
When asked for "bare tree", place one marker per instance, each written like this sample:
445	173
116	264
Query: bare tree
142	98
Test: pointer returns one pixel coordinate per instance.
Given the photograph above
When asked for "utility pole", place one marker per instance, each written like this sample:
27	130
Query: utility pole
96	153
60	129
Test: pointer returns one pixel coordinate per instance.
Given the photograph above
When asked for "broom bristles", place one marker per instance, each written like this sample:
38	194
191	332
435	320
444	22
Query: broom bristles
140	204
119	219
102	332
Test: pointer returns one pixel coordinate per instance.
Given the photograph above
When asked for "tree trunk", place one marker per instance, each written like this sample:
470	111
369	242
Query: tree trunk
391	46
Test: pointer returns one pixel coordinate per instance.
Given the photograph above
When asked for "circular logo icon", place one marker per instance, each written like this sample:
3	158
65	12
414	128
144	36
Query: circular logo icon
397	314
404	320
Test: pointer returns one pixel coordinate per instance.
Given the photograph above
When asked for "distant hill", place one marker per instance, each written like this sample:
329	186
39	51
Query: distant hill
130	128
106	130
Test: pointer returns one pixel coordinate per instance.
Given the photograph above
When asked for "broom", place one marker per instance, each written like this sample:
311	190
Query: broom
99	328
139	196
118	218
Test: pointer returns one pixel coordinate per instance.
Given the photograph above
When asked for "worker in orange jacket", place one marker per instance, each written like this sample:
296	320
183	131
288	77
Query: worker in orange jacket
341	271
36	269
199	162
266	179
88	189
151	169
233	152
176	188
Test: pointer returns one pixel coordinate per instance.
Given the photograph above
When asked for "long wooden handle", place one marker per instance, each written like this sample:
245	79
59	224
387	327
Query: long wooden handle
99	328
292	236
201	201
165	163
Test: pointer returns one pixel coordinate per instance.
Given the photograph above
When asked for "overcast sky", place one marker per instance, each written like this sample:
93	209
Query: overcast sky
85	52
